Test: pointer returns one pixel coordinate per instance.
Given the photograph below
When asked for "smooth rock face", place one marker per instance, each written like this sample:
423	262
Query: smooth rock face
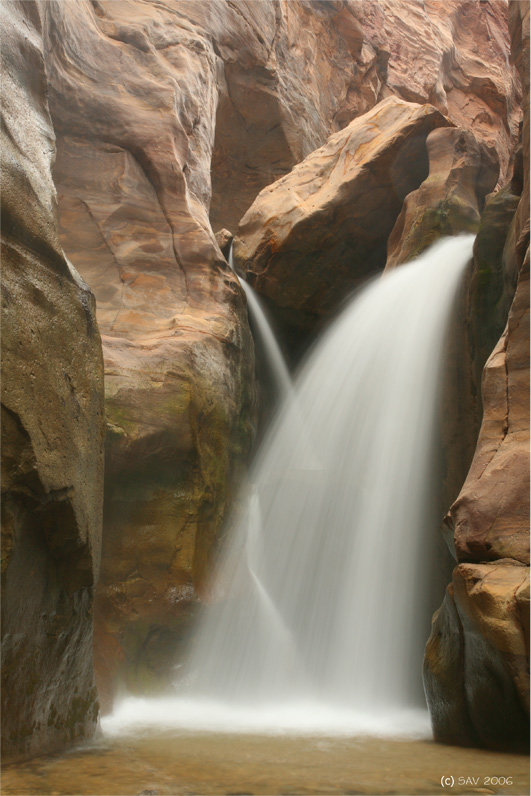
52	428
318	233
489	521
449	201
490	516
476	667
132	173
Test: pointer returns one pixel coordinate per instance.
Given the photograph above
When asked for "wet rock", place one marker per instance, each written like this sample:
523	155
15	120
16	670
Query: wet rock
52	428
444	679
318	233
208	104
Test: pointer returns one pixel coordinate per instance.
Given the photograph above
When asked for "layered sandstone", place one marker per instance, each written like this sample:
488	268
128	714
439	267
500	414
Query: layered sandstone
302	71
52	427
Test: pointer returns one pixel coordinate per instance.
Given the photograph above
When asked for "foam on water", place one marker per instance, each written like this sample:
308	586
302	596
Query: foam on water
139	715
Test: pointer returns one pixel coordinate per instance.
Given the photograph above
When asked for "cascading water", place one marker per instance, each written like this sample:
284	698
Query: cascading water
324	580
275	359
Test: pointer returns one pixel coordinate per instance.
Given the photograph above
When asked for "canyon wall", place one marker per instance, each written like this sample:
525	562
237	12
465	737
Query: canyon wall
477	658
52	427
133	178
175	120
294	243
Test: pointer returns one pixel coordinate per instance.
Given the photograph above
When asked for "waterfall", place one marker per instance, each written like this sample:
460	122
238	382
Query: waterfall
325	577
274	357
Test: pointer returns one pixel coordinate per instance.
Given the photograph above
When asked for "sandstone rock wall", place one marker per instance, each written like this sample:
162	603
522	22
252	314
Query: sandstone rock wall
302	71
479	693
132	172
52	427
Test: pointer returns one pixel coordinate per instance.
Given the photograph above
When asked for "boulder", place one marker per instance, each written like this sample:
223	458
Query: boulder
294	73
52	428
454	55
208	103
316	234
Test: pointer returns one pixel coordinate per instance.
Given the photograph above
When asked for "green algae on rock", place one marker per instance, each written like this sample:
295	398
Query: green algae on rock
52	428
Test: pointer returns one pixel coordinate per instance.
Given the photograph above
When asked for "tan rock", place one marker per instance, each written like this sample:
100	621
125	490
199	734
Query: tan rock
449	201
490	518
316	234
132	171
240	92
224	240
476	666
52	428
444	677
321	65
454	55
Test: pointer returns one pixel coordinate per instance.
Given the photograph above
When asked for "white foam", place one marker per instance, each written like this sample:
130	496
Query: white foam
139	715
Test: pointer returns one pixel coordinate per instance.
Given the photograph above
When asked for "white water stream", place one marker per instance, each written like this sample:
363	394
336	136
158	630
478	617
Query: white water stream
324	579
274	356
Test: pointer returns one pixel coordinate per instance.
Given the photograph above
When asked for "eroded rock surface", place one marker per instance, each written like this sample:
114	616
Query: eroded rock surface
52	428
449	201
208	103
296	72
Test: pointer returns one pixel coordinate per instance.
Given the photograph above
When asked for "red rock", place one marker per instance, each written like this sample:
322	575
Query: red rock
132	172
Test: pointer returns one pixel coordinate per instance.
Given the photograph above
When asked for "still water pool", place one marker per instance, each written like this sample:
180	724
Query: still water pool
175	762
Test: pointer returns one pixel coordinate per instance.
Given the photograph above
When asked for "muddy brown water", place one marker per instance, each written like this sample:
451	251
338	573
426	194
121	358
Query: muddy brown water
200	763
